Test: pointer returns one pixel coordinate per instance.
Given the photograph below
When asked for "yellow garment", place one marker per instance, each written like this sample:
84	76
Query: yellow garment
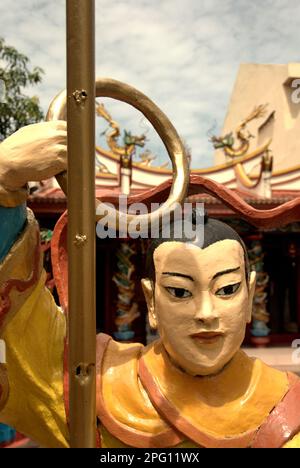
34	334
123	393
235	401
231	403
109	441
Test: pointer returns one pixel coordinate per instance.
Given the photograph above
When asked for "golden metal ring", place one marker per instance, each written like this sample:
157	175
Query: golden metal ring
107	87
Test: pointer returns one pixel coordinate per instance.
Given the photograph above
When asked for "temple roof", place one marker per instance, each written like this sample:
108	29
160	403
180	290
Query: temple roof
50	198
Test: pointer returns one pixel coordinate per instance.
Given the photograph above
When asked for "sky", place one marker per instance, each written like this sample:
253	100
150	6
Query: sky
183	54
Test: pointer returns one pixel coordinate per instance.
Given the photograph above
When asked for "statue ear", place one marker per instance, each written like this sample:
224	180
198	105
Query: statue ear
148	289
252	284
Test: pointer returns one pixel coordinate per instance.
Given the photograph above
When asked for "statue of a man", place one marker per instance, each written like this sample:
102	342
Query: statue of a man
193	387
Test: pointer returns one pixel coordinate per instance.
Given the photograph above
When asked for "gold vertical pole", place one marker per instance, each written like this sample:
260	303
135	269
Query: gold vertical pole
81	220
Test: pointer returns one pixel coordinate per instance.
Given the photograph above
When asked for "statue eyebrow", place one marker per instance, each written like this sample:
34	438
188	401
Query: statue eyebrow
224	272
171	273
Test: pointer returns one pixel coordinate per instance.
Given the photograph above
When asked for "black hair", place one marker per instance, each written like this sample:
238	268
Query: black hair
214	231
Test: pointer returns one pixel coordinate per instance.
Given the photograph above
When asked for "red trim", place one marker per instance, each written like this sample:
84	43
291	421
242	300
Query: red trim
4	386
98	439
59	258
18	444
127	435
293	378
170	413
283	422
275	217
19	285
198	185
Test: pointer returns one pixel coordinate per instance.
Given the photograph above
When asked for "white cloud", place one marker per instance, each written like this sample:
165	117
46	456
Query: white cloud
184	55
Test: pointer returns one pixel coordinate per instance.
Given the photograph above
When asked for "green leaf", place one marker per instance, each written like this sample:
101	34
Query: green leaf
18	109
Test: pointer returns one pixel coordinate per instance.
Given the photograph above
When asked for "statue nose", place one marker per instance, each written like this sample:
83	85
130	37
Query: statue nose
206	311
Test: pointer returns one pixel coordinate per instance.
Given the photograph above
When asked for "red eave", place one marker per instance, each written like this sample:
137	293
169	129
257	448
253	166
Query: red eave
53	200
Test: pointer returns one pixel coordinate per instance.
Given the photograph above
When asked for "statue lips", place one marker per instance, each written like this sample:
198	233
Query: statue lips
207	337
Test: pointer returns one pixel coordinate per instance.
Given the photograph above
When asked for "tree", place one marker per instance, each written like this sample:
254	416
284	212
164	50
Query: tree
16	108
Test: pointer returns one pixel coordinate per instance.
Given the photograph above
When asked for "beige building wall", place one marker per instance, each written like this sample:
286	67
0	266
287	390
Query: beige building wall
271	84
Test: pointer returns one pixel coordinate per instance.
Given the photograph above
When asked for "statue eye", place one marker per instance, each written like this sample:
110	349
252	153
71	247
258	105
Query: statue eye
228	290
179	293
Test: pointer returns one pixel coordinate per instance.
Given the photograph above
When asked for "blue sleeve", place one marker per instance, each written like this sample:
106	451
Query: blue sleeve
12	221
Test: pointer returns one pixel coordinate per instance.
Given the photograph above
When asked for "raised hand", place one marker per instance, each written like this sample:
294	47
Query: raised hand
33	153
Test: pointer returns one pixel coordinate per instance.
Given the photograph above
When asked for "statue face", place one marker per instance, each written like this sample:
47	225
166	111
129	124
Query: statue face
201	303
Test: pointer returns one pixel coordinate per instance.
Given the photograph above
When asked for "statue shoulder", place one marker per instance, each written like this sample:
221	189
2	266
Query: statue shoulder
111	352
283	423
123	406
